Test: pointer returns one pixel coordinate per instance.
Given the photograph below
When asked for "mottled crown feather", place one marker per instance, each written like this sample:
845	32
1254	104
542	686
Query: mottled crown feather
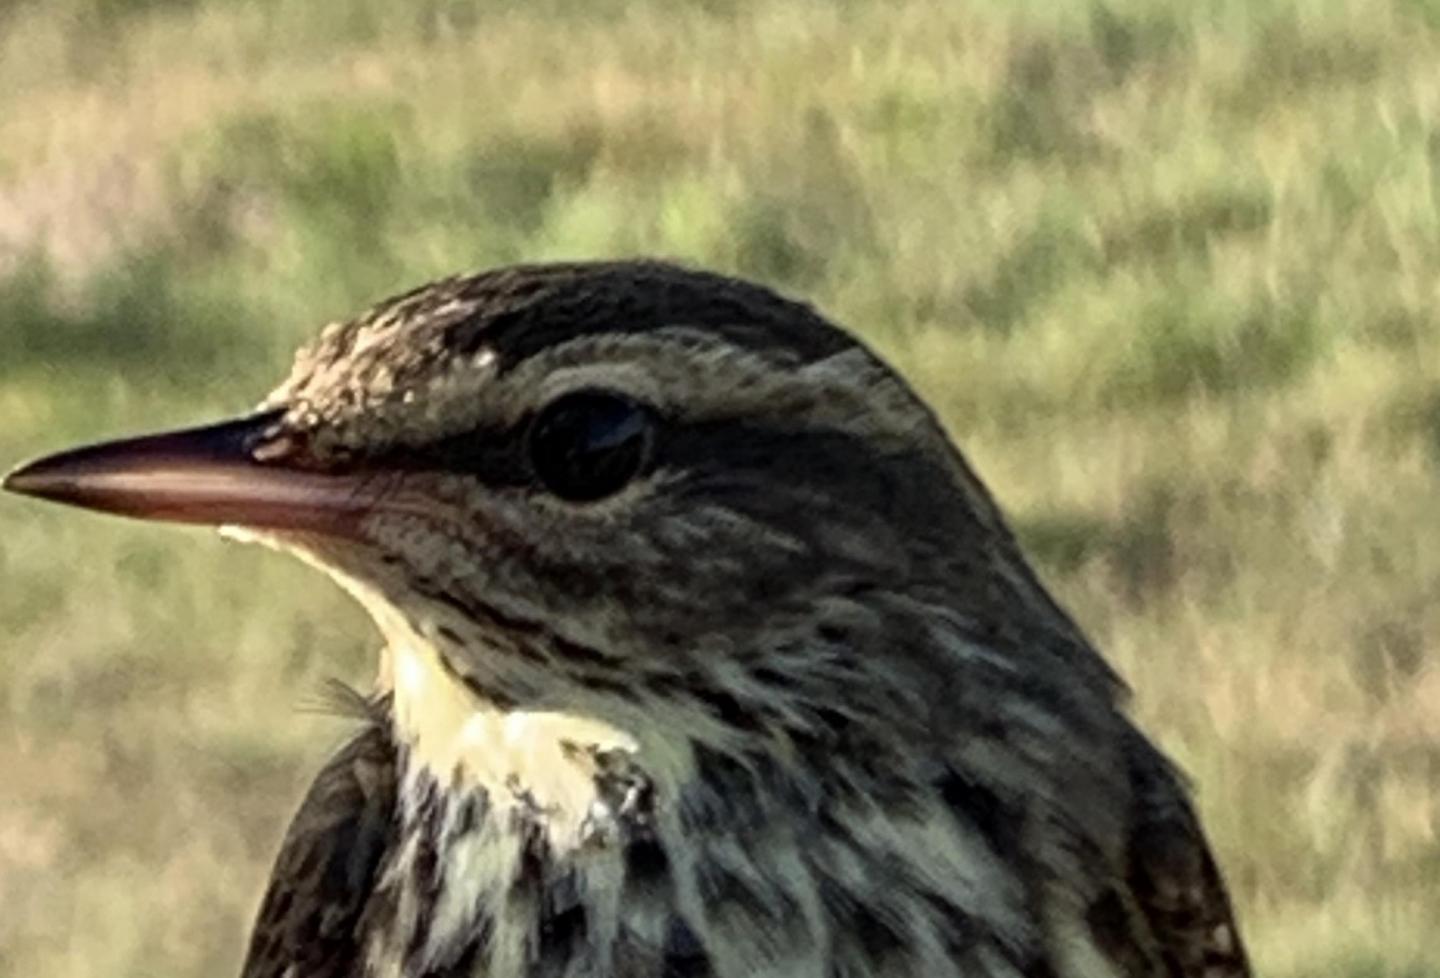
513	313
422	365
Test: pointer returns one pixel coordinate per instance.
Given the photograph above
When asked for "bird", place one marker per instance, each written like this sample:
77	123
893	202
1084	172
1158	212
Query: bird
707	655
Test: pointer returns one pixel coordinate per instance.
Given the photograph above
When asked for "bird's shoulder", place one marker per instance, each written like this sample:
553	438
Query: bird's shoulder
1173	876
1166	912
310	919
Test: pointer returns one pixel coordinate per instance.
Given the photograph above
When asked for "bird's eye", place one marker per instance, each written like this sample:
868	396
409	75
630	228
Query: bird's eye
587	445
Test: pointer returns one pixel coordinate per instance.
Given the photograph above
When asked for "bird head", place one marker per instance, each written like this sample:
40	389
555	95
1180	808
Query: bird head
670	501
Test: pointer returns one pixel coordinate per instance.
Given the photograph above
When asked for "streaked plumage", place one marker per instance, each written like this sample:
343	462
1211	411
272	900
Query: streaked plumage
784	699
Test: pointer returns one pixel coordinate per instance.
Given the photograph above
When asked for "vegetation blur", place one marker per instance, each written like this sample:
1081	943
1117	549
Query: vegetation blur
1168	269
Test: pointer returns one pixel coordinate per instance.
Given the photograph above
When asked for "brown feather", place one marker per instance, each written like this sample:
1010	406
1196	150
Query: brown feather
309	921
1174	880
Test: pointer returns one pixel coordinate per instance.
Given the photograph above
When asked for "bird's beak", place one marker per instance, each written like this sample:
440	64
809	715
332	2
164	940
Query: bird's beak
204	475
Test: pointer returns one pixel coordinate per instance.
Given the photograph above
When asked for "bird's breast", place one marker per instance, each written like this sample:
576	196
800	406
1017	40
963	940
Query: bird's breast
506	829
533	764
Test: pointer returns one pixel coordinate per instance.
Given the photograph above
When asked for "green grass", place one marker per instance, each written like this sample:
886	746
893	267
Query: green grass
1167	269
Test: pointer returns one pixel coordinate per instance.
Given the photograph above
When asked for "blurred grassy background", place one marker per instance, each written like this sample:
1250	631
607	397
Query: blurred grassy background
1168	268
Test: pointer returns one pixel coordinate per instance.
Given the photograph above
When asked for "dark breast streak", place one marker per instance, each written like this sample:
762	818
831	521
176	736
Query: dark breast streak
412	924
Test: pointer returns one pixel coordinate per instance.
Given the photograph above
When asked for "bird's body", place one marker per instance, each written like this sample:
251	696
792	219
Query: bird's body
706	655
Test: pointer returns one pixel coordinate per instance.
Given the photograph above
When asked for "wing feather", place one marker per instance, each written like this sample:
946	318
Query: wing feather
309	923
1173	878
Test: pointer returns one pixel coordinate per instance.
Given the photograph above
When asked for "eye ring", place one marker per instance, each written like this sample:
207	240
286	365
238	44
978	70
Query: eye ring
589	444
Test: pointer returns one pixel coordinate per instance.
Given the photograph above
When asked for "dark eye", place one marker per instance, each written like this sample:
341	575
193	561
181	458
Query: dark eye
589	444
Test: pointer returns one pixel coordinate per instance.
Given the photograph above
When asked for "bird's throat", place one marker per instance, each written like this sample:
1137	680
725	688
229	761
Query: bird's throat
515	756
452	733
